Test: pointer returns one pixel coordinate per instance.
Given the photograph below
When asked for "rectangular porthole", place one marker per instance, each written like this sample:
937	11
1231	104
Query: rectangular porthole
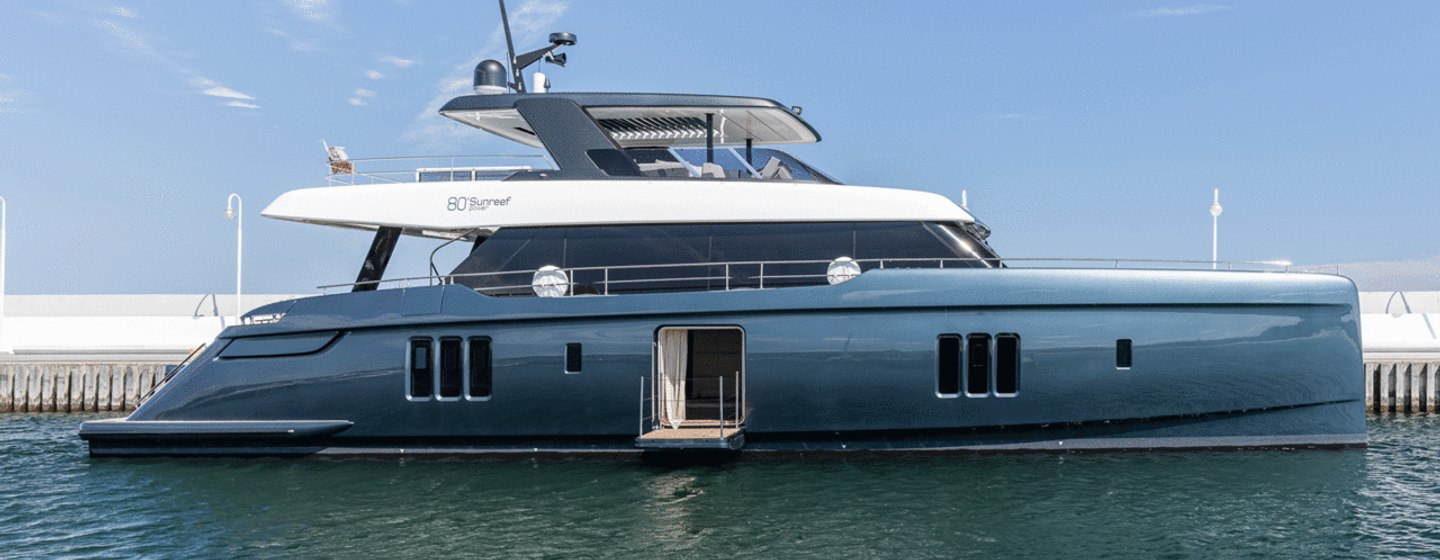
977	375
572	357
1123	354
422	373
452	374
1007	363
480	368
947	380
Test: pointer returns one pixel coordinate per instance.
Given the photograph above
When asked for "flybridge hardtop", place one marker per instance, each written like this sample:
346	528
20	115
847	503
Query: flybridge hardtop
635	120
629	135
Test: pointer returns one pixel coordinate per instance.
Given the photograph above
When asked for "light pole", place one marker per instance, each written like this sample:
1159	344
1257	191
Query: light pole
1215	211
4	224
237	213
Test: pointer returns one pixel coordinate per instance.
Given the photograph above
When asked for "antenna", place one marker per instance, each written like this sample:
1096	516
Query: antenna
518	81
518	63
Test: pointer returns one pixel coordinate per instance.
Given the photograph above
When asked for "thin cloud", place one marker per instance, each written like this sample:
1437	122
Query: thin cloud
528	23
129	41
9	103
361	95
1195	10
397	61
319	11
295	43
10	100
125	38
124	12
374	75
227	93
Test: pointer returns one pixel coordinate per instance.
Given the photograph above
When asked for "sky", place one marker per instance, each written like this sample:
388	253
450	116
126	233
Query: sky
1094	129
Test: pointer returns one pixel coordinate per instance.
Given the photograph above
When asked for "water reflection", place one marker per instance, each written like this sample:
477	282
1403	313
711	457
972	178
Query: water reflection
1384	501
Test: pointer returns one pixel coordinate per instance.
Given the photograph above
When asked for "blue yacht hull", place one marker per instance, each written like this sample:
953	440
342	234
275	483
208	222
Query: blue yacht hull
1220	359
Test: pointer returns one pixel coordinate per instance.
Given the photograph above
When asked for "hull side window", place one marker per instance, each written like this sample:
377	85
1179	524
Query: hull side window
977	375
480	368
421	370
451	372
572	358
1007	363
1123	354
947	382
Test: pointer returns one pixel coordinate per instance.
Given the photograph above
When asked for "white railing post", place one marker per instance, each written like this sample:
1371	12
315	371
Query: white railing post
722	406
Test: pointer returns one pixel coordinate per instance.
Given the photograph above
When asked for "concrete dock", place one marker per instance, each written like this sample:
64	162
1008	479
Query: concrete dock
103	353
1402	351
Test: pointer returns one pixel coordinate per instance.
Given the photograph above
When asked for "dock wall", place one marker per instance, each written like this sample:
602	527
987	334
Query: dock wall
77	387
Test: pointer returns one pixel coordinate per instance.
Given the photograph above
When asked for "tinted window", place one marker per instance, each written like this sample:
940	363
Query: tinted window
512	250
638	245
781	242
527	249
480	367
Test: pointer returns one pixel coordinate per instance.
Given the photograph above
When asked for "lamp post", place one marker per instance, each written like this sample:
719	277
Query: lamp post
1215	211
4	224
237	212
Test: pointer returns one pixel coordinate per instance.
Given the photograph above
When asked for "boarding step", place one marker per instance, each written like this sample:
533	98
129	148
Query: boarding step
730	438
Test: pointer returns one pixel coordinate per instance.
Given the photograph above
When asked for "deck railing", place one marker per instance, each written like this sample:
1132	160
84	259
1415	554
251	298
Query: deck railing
726	276
425	169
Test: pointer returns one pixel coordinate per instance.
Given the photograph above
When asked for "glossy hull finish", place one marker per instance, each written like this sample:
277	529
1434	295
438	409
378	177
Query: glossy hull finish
1221	359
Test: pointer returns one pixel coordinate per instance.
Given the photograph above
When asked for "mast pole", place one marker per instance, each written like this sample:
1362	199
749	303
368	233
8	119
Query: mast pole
518	81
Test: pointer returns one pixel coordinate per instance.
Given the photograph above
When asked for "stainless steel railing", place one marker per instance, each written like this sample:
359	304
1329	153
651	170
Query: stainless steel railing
722	420
413	169
727	278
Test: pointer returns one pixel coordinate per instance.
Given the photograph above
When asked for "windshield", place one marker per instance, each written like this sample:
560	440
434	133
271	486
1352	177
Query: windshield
728	163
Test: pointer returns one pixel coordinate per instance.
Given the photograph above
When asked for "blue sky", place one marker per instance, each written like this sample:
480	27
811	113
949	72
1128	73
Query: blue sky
1079	129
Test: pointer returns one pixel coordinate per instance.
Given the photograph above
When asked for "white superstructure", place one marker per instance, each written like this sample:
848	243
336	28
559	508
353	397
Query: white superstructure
444	209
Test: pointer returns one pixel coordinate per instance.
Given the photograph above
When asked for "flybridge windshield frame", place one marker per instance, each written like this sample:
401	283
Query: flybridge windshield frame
730	163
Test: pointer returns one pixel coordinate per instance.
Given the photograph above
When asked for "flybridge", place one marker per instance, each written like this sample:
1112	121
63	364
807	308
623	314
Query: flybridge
644	119
596	135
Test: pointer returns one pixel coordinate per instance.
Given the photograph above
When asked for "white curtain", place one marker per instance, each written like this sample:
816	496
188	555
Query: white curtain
673	355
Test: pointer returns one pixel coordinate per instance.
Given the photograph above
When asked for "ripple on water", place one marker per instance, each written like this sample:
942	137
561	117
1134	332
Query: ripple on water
1383	501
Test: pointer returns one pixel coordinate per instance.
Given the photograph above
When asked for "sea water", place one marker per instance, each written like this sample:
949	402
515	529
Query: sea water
1382	501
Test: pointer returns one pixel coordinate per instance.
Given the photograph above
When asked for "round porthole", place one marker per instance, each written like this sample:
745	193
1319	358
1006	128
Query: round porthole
550	281
842	269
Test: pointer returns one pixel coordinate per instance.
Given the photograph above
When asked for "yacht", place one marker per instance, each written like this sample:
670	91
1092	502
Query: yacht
664	279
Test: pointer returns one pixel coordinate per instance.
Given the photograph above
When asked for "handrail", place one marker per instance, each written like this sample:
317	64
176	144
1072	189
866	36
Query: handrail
170	374
407	169
479	156
434	278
